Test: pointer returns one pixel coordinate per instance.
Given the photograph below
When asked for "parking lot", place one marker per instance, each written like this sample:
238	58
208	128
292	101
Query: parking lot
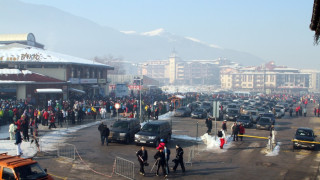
246	159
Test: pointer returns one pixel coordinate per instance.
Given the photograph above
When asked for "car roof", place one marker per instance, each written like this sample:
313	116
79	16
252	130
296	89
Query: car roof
305	128
157	122
14	161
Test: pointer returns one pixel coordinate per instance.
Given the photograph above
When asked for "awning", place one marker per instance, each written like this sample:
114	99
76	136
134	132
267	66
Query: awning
77	90
48	91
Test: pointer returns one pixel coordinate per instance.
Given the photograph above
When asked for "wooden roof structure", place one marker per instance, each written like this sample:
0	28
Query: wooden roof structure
315	21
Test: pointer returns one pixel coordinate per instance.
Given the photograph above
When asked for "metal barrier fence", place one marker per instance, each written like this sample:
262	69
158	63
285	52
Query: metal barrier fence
67	151
190	155
124	168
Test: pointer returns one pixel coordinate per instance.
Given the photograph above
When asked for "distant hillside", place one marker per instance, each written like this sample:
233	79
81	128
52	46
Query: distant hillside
77	36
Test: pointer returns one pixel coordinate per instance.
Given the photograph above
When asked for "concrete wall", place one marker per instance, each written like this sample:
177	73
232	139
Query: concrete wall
21	92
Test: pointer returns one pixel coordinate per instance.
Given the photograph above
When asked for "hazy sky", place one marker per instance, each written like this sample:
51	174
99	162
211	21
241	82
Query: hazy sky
272	29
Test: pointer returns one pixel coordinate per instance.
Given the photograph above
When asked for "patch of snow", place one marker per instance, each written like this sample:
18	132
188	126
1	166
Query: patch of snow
156	32
33	54
201	42
14	82
48	142
213	142
185	137
166	116
275	150
14	71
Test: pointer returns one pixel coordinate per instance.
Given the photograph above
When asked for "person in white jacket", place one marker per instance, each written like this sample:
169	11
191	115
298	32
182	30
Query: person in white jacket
12	128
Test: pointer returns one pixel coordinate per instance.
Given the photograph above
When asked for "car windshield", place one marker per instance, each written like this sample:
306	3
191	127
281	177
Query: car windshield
120	125
278	110
303	132
31	171
232	106
268	115
150	128
233	111
253	113
245	118
198	110
264	120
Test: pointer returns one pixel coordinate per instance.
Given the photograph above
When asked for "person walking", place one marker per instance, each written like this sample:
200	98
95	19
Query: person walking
167	153
18	142
305	112
161	160
102	130
45	118
156	114
179	159
235	131
25	130
315	111
290	111
224	126
52	121
241	131
209	125
142	155
222	136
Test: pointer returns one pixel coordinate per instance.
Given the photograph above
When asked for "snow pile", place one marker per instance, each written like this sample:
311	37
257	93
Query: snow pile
28	149
166	116
213	142
14	71
185	137
275	150
48	142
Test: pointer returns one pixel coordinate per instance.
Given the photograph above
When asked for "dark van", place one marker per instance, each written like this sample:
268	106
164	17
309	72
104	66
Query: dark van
152	132
124	130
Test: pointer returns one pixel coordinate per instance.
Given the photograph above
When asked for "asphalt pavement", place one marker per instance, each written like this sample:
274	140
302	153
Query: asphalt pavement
242	160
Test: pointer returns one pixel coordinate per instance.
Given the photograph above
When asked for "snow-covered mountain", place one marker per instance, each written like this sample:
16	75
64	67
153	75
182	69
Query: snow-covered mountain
65	33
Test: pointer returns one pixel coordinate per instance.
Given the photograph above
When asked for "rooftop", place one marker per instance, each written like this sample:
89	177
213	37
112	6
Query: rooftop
29	54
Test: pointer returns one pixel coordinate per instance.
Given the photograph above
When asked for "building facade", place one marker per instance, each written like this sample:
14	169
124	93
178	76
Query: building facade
265	78
175	71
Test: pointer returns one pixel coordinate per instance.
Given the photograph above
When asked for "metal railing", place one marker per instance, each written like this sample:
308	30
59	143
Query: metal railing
124	167
67	151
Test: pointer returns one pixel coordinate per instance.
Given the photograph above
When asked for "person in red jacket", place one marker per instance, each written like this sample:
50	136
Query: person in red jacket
52	121
45	118
241	131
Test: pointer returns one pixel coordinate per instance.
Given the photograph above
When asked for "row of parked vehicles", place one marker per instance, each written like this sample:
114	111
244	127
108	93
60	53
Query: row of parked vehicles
128	130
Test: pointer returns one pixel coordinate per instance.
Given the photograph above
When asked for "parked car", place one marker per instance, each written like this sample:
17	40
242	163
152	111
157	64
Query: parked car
245	120
232	106
254	116
304	134
270	115
199	113
207	106
152	132
264	123
278	113
232	114
182	112
124	130
15	167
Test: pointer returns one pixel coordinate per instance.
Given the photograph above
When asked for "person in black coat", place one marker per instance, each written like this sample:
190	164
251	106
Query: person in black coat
209	125
142	155
161	160
179	159
18	142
